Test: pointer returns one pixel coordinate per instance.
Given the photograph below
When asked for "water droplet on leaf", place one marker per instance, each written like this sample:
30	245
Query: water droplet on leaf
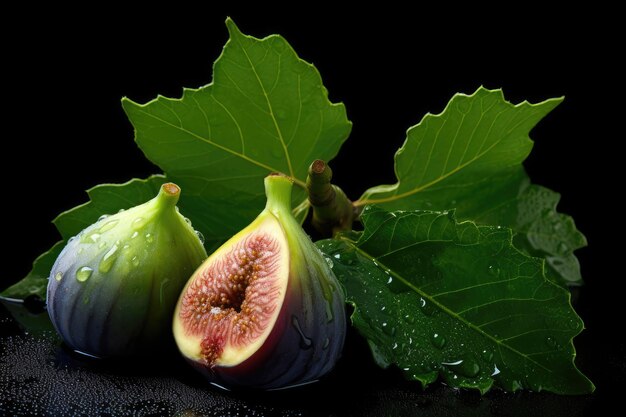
438	341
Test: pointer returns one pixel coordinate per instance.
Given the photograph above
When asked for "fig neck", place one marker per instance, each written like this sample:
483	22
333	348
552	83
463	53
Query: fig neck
168	196
278	193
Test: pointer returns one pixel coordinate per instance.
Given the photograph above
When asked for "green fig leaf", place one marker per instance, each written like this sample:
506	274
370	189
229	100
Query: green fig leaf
265	111
104	199
469	158
457	301
36	282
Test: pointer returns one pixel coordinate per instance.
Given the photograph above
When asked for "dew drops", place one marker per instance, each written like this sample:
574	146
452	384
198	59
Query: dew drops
329	262
134	235
464	367
486	355
326	343
92	237
438	341
550	341
108	226
494	270
337	256
83	274
138	223
200	236
427	308
188	221
135	260
108	259
104	216
305	342
101	245
496	371
389	330
149	238
409	318
58	276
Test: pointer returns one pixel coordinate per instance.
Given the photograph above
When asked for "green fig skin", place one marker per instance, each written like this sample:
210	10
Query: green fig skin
305	321
113	288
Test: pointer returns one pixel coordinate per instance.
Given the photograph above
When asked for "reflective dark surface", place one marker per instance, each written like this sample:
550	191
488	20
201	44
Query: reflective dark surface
40	376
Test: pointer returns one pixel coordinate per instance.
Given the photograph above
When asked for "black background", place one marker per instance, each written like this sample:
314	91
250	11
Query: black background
64	129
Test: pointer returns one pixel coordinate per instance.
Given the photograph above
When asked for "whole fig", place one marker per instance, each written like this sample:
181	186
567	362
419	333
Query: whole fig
265	309
113	288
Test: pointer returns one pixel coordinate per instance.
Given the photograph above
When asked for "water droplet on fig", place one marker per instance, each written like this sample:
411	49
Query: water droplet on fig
134	235
135	260
305	342
58	276
83	274
138	223
104	216
92	237
108	226
101	245
329	262
149	238
200	236
108	259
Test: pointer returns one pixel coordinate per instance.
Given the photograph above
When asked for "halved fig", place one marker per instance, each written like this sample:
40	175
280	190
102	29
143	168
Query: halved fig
264	310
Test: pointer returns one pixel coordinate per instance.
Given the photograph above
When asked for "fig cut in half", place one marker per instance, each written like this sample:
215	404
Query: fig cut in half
264	310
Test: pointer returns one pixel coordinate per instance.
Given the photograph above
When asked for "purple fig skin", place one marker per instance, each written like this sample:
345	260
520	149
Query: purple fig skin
113	288
306	339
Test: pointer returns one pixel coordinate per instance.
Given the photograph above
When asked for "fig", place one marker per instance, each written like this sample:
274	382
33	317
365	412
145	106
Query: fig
113	289
264	311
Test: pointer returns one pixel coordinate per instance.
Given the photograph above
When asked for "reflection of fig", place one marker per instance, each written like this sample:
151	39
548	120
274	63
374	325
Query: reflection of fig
264	310
113	288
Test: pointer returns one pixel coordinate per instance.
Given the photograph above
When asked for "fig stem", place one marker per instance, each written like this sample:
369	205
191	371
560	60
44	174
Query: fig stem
278	191
333	212
168	195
